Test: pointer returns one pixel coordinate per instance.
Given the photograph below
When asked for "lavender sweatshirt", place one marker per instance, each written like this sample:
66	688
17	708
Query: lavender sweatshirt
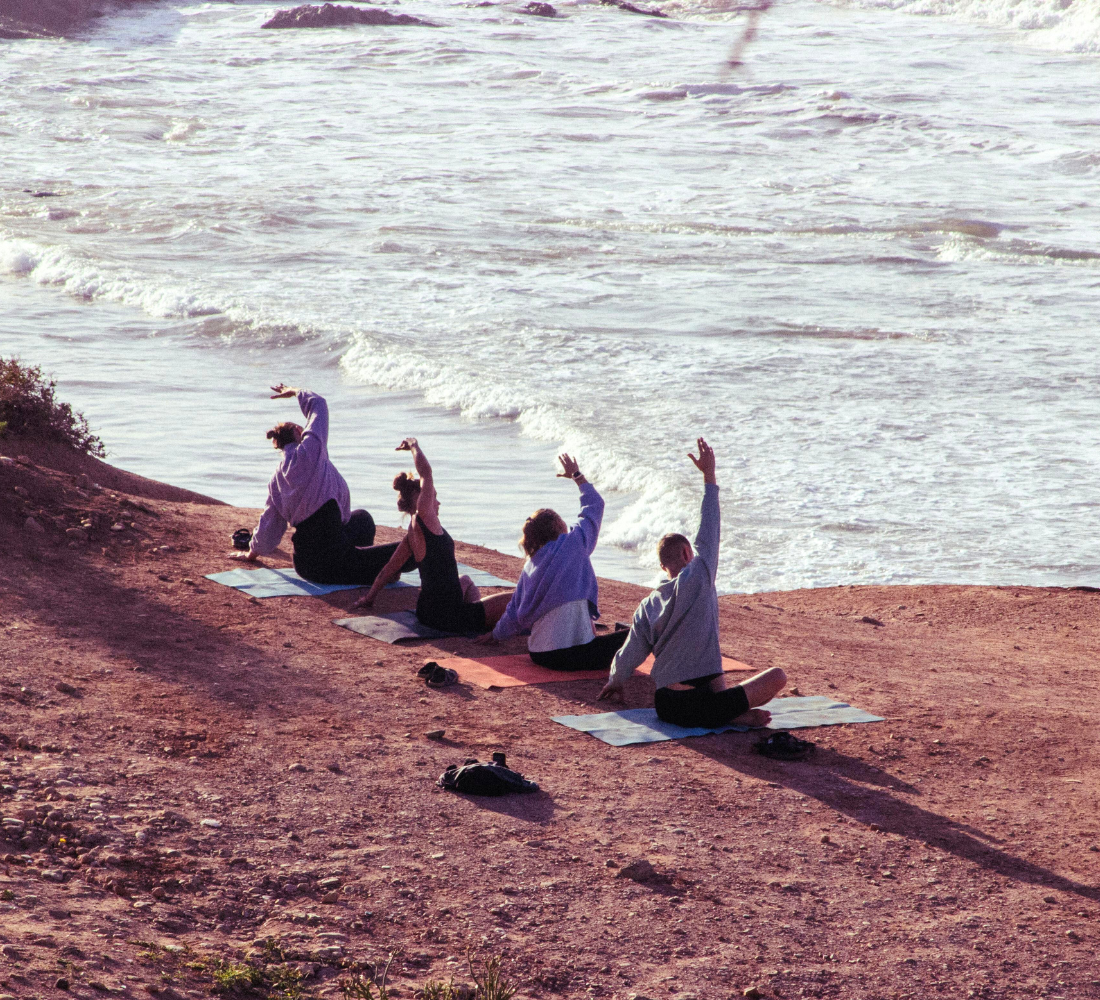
560	572
304	482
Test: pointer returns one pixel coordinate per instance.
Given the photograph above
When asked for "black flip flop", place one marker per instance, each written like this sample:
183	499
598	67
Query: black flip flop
426	671
441	677
784	746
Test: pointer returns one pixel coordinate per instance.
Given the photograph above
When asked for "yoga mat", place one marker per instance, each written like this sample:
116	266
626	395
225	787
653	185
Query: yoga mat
641	725
520	669
391	628
265	582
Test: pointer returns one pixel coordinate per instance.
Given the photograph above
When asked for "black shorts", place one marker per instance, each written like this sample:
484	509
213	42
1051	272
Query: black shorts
452	616
700	707
594	655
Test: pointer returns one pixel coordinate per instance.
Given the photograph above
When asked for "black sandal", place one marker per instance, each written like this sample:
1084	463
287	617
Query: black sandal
441	677
426	671
784	746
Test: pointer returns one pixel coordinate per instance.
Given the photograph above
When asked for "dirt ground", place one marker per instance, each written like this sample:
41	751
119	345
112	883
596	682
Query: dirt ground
192	778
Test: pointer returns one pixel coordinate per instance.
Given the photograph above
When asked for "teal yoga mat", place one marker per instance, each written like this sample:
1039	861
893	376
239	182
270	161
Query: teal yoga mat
265	582
641	725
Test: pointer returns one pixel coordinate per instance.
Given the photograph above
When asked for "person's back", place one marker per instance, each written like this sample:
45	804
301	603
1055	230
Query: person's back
556	598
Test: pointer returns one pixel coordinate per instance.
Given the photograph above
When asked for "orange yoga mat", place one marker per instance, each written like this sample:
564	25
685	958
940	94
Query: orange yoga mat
515	671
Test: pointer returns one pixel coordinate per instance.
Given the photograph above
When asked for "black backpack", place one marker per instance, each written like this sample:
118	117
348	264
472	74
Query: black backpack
475	778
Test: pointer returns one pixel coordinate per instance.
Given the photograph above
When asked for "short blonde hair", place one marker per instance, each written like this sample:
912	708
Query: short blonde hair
540	528
669	546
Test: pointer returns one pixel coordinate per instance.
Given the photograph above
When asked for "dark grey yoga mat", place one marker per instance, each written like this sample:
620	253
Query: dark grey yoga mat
391	628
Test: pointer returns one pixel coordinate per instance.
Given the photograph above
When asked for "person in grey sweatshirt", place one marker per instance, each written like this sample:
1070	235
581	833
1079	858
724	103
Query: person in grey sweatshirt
678	624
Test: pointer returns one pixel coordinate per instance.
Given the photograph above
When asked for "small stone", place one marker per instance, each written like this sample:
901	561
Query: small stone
62	983
329	883
796	693
76	534
330	897
875	828
67	689
118	526
334	767
435	734
751	992
1073	935
1050	899
825	839
611	863
59	914
213	824
158	892
31	525
298	766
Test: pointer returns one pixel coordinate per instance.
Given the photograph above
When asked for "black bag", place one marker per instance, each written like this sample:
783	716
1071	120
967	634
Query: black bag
241	539
475	778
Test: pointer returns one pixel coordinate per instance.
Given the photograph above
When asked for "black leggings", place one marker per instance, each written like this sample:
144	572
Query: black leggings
700	708
327	551
594	655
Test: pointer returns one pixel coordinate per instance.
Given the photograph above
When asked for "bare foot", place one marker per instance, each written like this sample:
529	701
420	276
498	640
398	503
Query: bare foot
754	718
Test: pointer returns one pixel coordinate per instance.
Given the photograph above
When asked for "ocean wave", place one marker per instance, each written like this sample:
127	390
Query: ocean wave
86	278
660	503
1064	25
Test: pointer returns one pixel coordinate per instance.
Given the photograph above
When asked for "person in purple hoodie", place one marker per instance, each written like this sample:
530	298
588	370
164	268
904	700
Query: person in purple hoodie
555	600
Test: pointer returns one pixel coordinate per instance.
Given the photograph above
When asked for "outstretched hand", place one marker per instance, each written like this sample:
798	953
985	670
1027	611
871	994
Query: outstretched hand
705	462
484	640
242	556
407	445
569	466
612	692
283	391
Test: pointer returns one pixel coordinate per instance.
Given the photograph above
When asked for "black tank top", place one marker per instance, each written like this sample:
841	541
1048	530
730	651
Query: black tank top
438	568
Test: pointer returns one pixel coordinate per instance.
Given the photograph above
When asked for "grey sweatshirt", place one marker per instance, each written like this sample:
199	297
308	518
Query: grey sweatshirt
678	622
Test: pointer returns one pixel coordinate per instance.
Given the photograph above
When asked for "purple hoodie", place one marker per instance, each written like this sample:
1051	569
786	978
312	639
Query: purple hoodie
559	573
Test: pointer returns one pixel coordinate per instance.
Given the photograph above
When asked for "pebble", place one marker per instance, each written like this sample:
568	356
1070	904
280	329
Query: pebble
67	689
31	525
297	766
213	824
62	984
330	897
118	526
77	534
435	734
329	883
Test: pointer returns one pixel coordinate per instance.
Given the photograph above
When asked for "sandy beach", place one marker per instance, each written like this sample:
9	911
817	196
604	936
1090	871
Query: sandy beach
193	778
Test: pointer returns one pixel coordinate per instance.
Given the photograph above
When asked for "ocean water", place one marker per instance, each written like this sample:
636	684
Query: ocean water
866	266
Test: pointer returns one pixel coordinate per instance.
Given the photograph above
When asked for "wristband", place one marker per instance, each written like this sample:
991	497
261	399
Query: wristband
577	475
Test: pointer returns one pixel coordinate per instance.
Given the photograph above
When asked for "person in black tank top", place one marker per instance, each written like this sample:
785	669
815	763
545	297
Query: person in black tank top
448	602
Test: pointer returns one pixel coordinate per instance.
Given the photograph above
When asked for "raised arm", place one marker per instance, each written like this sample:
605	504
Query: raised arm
426	507
591	516
710	521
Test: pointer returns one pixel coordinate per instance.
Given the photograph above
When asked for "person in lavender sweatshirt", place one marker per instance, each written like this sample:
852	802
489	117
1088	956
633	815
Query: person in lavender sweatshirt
556	597
332	543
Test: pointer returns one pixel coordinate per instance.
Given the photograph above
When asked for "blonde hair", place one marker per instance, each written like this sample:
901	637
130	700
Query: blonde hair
541	527
670	546
408	489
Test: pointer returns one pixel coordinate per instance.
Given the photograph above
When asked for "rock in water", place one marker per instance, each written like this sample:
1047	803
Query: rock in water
623	5
330	16
540	10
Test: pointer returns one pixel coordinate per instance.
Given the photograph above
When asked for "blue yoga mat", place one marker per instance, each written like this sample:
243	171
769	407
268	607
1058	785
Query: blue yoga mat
641	725
265	582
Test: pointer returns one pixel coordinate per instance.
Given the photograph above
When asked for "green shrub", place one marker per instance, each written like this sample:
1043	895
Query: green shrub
28	407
